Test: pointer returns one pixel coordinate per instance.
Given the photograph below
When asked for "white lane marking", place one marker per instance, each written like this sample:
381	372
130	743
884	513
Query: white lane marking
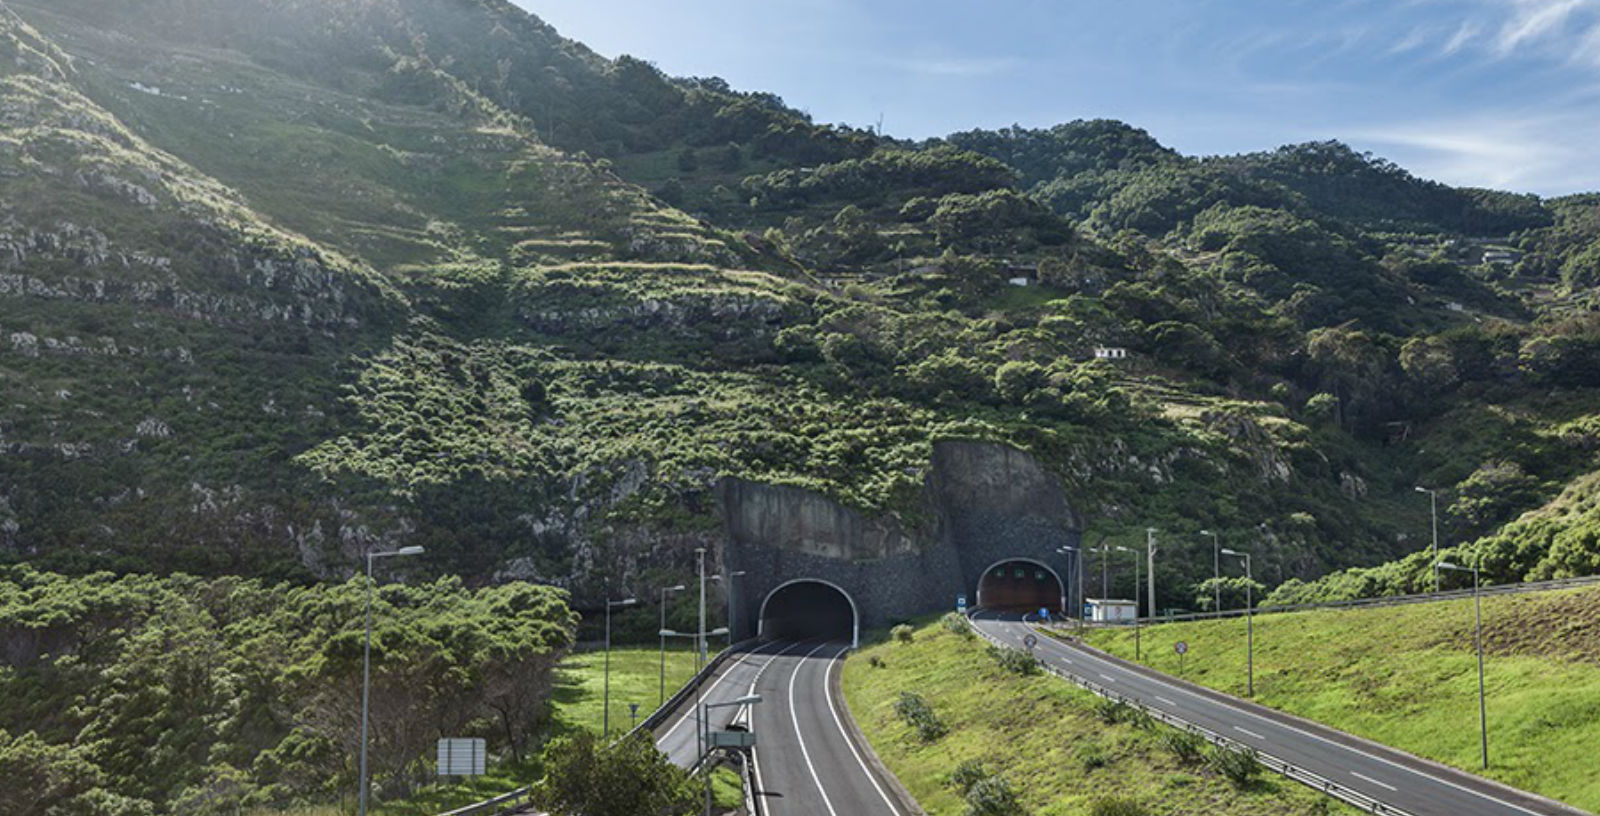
1373	781
686	716
800	738
1324	740
1164	701
1109	678
1247	732
755	759
827	690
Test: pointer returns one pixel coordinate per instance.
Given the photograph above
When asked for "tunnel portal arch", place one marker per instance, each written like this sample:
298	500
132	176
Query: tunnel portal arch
809	608
1020	583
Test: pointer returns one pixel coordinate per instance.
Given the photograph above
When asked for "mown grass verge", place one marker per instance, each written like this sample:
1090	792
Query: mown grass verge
1407	677
1060	750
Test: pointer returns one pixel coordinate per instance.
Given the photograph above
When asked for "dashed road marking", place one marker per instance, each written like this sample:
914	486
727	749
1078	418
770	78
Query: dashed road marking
1384	785
1247	732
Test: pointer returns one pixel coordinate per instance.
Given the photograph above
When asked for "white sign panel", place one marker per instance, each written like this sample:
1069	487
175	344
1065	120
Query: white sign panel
461	757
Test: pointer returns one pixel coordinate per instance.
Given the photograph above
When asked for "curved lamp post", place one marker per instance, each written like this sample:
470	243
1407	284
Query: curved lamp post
1249	621
366	665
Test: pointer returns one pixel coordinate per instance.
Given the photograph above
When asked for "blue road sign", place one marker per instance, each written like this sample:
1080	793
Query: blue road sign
961	603
1044	614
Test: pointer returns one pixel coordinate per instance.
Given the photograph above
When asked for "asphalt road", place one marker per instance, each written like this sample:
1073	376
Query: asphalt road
806	763
1386	775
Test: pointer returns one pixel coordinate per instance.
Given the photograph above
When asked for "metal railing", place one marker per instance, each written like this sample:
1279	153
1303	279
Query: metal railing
518	799
508	802
1310	779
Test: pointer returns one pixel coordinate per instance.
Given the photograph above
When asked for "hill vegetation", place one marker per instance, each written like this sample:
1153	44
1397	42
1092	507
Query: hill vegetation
285	282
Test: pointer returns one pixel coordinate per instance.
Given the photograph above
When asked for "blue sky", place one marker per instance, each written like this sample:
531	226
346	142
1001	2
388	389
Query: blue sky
1496	93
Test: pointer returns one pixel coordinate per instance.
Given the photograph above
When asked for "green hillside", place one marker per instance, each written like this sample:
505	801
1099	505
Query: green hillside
285	280
1059	749
1407	677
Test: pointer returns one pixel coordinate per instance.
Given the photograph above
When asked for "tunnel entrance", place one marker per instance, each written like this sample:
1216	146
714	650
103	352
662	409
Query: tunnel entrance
808	609
1021	584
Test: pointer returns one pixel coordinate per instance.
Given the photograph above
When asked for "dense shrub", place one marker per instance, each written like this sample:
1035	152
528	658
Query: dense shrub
1091	755
957	624
1240	766
1015	661
919	715
903	633
1186	746
1117	806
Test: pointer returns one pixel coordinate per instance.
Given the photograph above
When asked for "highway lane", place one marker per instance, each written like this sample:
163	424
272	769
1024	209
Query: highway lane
806	763
677	737
805	760
1384	774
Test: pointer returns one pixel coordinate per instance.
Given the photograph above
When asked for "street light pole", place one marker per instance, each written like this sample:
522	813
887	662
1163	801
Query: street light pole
1216	570
705	771
1477	638
1077	567
1137	649
700	648
664	591
366	668
1150	574
1249	621
605	717
727	588
1433	503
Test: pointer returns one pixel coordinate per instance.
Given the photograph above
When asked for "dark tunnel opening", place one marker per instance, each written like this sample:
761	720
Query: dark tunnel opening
1020	585
807	610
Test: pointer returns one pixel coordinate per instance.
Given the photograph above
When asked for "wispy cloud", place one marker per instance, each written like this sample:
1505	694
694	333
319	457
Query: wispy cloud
956	66
1547	154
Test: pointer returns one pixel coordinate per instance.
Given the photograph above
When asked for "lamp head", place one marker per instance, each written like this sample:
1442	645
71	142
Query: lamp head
1226	551
720	630
1445	565
748	699
1421	489
678	588
667	633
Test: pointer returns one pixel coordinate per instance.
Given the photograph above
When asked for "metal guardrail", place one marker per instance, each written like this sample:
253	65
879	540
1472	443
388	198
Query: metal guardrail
1388	600
518	799
509	802
683	693
1305	777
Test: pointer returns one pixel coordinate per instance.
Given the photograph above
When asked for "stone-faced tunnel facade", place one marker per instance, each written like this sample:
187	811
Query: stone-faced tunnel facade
986	503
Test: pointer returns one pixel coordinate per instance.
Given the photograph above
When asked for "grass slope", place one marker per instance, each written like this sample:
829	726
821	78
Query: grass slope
1407	677
635	678
1039	729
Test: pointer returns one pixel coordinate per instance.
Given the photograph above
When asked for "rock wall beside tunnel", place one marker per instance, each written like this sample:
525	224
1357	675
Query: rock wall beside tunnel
986	503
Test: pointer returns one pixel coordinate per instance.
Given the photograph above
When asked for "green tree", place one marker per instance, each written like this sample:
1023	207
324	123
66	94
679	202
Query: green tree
631	778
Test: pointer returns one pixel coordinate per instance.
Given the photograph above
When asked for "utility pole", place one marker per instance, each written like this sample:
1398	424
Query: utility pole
1150	555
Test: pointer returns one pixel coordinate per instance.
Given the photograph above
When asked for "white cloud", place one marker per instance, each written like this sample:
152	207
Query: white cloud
1548	155
956	66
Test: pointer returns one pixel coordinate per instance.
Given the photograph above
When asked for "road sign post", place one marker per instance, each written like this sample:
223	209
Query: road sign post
1182	648
461	757
961	603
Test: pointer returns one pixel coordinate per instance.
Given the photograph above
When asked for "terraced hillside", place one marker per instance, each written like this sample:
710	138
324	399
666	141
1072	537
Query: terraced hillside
282	281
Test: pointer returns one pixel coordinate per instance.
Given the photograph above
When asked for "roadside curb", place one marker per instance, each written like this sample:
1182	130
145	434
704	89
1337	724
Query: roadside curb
903	797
